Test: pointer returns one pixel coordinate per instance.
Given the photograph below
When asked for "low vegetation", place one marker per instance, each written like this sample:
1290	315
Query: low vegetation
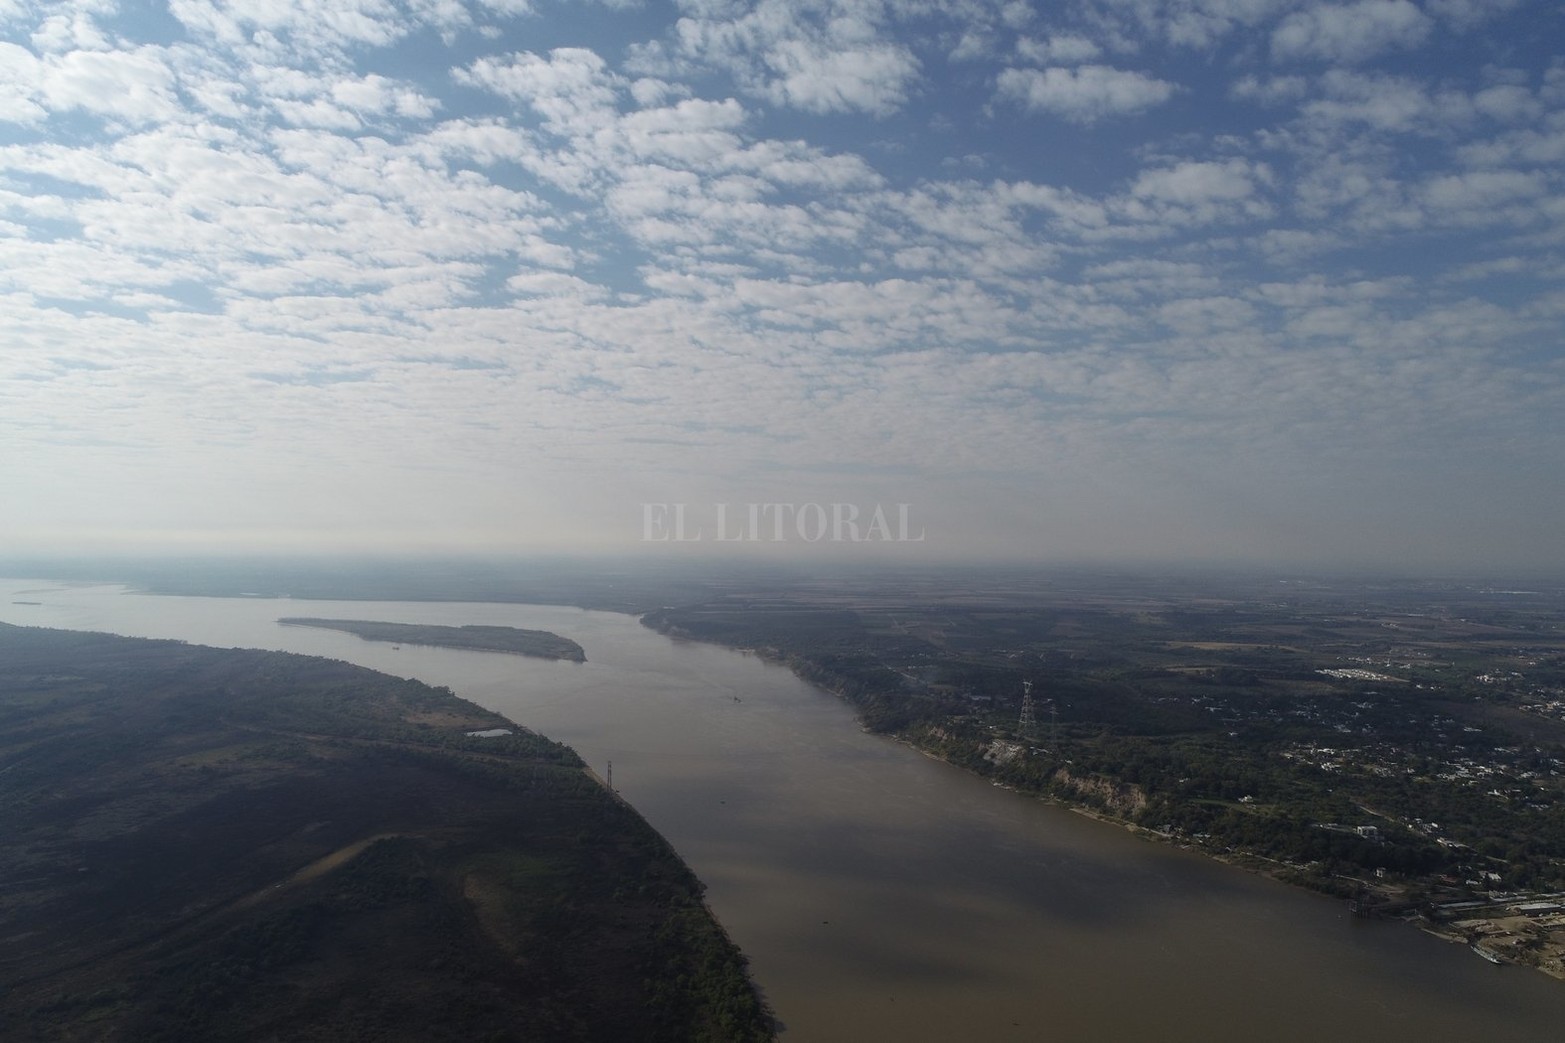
473	638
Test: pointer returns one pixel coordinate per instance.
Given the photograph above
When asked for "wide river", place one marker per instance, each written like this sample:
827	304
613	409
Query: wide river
879	894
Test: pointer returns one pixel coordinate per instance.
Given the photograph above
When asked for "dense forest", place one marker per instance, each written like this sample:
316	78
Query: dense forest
209	844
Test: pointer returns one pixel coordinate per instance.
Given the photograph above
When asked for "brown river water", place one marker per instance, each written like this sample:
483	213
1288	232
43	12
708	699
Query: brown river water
879	894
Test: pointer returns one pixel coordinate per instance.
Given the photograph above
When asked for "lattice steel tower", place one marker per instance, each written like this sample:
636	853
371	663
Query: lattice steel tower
1028	725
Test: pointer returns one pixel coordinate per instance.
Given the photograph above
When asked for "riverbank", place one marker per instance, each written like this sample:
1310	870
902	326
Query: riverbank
954	911
1514	938
1509	937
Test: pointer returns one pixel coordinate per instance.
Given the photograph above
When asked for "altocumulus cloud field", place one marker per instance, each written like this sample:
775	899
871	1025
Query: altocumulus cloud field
1208	279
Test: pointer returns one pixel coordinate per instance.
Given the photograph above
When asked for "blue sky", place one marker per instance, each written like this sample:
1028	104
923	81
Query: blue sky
1210	280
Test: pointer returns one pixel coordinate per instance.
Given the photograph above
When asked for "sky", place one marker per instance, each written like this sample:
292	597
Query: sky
1238	281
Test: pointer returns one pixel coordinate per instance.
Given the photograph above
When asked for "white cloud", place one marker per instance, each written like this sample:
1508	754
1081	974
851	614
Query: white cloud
21	76
1196	182
135	86
1063	49
553	284
571	88
1125	24
974	44
1350	32
291	26
1385	103
316	113
819	56
378	94
509	7
1544	144
817	77
1273	90
1084	94
1205	316
1469	14
1202	23
66	32
1482	193
692	132
1508	103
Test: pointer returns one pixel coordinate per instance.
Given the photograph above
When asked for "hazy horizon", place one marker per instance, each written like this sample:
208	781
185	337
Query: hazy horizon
1255	283
359	576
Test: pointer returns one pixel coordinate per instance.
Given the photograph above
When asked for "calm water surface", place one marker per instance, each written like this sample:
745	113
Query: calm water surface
881	895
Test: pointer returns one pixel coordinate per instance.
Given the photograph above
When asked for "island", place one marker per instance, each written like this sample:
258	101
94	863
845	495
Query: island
513	640
224	844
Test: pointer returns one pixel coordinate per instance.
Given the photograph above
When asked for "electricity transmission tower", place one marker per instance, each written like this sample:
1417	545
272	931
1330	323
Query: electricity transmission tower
1028	725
